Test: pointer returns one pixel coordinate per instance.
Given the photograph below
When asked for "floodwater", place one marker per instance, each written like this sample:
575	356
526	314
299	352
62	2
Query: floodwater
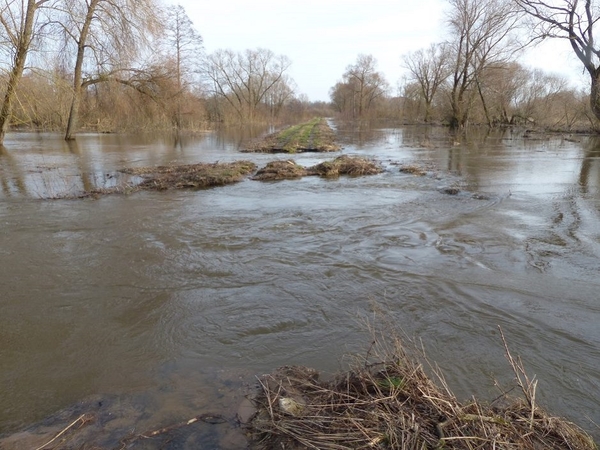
164	305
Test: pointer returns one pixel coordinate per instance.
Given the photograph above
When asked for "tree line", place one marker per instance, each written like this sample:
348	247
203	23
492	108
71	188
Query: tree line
113	65
128	64
475	76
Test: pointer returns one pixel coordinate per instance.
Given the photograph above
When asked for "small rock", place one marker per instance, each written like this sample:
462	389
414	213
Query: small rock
246	411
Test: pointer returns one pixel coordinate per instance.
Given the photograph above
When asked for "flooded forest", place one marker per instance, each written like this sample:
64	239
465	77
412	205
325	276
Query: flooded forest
194	254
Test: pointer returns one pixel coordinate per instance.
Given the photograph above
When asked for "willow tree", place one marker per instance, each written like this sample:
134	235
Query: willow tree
575	21
103	37
19	23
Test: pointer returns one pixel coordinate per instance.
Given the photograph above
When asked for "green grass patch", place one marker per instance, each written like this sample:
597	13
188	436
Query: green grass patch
312	136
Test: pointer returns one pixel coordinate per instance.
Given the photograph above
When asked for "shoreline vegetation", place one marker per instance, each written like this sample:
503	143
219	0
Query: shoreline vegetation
386	400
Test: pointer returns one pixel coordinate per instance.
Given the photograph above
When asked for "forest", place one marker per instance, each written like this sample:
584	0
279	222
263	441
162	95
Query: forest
140	65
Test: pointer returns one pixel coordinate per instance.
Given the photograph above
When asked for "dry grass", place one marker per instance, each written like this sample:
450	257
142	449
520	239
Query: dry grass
342	165
280	170
413	169
192	176
346	165
393	404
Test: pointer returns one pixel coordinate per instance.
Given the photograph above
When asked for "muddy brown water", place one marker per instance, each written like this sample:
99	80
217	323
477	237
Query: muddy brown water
159	306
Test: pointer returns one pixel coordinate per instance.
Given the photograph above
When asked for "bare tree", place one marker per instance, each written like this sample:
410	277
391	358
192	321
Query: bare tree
18	20
187	43
244	79
573	20
280	94
428	68
361	86
368	82
104	36
498	87
482	31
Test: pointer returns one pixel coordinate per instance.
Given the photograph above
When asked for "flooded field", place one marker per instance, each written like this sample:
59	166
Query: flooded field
160	306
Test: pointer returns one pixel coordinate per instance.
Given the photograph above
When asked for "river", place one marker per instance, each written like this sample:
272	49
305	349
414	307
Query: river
164	305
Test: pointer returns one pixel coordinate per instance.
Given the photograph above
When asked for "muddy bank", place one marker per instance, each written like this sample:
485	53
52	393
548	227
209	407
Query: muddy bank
390	398
119	422
313	136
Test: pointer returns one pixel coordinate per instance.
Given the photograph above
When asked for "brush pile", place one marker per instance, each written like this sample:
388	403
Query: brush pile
280	170
346	165
342	165
395	405
191	176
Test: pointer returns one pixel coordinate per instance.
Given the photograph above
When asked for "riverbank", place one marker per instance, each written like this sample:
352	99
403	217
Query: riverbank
391	398
388	401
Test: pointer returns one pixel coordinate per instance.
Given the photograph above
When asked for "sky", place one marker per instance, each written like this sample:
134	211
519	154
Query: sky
323	37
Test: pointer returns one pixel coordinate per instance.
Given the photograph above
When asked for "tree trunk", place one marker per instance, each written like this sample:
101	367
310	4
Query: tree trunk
427	117
458	118
485	109
77	73
74	112
6	111
25	35
595	93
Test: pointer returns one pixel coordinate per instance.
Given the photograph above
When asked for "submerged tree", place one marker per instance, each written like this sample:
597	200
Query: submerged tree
18	20
361	86
429	69
482	31
182	39
105	36
244	80
573	20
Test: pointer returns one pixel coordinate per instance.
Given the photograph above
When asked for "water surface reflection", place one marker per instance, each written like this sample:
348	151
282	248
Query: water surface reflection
177	296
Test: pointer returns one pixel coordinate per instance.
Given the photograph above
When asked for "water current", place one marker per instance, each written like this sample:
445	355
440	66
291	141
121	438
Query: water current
164	305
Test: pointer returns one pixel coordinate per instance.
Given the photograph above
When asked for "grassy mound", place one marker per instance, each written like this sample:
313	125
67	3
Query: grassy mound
192	176
312	136
342	165
413	169
393	404
206	175
280	170
346	165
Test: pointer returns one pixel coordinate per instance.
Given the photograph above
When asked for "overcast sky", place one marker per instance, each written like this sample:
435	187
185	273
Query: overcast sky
322	37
